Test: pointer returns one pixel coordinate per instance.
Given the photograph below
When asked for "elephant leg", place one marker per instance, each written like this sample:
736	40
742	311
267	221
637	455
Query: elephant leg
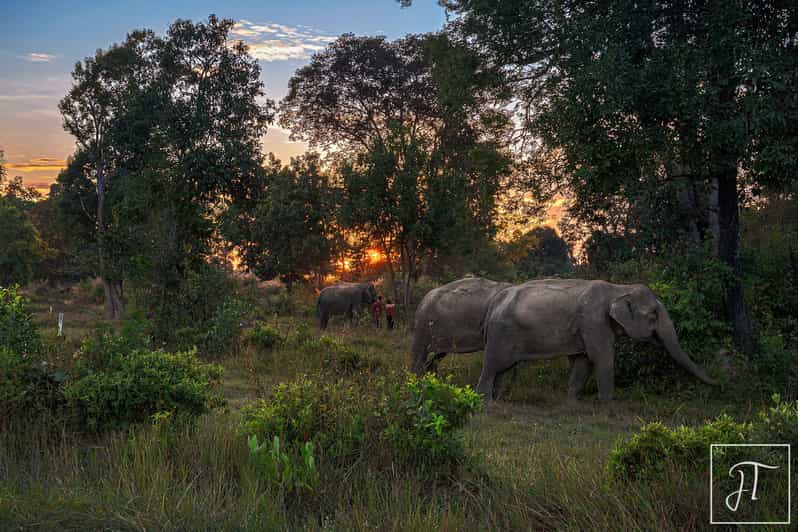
494	363
351	316
580	372
605	375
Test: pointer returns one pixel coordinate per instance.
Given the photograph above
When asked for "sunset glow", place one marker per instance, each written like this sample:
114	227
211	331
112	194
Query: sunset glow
375	256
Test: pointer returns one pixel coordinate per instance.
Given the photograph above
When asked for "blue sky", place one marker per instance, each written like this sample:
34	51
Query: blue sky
40	41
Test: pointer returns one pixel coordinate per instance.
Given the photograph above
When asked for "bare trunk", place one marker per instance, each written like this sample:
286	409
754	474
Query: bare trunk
729	253
712	215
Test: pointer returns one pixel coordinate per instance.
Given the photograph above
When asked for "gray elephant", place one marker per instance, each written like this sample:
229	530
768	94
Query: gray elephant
553	317
449	320
344	298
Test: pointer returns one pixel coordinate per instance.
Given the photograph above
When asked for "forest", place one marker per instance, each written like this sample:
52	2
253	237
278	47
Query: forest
162	365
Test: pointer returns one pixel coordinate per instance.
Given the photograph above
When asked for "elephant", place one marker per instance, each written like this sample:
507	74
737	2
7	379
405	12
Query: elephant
449	320
547	318
344	298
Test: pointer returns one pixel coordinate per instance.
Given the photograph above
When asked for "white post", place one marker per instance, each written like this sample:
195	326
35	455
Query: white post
60	324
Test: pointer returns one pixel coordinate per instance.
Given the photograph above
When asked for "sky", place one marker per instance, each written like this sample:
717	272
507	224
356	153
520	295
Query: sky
40	42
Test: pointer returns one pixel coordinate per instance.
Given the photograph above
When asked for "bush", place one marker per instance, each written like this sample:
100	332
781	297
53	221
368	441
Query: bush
331	415
650	452
136	386
412	424
264	336
656	448
17	331
105	347
28	389
336	358
424	420
280	468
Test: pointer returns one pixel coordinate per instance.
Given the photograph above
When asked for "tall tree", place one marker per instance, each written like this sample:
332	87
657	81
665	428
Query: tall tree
286	230
175	123
688	97
412	126
102	92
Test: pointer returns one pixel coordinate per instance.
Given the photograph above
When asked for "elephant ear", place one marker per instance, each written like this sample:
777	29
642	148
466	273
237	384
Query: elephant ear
624	311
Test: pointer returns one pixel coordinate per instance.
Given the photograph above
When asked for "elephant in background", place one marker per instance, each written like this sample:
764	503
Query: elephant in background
449	320
554	317
344	298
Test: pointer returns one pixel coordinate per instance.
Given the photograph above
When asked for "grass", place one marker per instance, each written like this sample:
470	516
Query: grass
536	460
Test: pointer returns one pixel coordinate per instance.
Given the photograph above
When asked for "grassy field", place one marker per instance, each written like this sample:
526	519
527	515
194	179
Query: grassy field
535	459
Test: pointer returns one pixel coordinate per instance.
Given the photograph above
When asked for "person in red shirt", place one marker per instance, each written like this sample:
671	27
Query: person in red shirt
390	311
376	309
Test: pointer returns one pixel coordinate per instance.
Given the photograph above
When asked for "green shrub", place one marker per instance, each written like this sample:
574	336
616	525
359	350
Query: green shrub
412	424
136	386
424	419
102	349
264	336
28	390
17	331
292	474
779	423
329	414
656	448
335	357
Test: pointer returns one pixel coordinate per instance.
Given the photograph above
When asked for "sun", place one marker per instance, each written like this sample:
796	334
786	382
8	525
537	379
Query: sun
374	256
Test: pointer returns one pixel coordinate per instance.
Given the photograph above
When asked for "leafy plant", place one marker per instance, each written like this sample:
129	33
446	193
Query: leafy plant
140	384
264	336
291	473
428	413
17	331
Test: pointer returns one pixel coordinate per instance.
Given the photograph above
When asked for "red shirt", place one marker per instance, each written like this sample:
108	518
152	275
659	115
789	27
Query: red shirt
376	308
390	309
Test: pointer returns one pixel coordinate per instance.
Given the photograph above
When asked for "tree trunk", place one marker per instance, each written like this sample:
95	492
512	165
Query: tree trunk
712	215
113	297
729	253
391	273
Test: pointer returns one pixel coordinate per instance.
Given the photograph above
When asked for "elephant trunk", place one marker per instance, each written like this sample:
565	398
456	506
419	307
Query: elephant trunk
667	334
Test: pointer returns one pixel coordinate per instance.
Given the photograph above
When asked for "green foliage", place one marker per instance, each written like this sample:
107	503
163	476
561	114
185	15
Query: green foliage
540	252
655	449
28	390
21	247
104	348
139	384
329	414
288	230
153	163
336	357
423	428
292	474
418	420
18	334
264	336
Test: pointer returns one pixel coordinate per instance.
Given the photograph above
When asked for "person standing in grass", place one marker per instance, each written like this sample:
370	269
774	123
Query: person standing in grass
376	309
390	311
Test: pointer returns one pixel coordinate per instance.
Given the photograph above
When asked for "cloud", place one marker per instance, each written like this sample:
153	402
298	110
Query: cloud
279	42
35	57
38	164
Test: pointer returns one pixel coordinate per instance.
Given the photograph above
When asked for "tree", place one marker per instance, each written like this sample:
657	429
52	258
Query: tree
174	123
689	97
411	125
287	231
104	87
539	252
21	248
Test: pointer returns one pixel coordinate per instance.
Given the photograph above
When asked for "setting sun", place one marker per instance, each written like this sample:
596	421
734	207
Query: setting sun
375	256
